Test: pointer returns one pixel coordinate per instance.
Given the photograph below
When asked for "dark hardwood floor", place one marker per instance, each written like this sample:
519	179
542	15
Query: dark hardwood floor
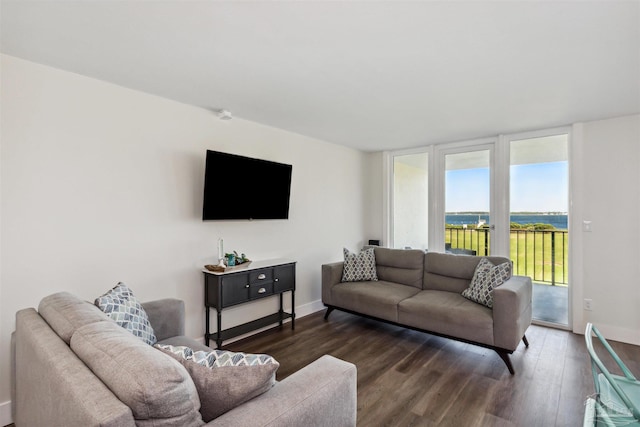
408	378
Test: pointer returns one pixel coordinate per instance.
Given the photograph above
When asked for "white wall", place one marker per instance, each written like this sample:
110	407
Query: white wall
607	187
5	361
373	190
101	184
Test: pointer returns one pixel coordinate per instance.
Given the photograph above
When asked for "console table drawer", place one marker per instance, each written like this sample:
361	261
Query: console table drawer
265	275
259	290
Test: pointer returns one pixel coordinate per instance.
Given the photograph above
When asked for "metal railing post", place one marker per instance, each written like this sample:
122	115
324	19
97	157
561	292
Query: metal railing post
553	258
486	241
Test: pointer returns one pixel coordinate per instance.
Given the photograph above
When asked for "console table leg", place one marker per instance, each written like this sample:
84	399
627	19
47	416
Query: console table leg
219	336
206	331
293	310
281	311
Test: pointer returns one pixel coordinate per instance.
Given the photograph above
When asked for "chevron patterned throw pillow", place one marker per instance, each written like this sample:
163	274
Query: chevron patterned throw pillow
218	358
359	267
224	379
124	308
486	278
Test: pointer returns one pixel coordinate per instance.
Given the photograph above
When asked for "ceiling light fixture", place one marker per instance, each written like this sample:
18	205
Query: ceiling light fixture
224	115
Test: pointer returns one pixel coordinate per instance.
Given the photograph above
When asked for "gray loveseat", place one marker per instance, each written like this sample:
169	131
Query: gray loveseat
422	291
55	383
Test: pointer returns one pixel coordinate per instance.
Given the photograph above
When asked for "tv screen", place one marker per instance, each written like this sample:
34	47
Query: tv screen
238	187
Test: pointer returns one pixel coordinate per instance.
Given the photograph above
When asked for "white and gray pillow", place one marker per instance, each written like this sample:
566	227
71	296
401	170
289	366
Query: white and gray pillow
123	307
225	379
359	267
486	278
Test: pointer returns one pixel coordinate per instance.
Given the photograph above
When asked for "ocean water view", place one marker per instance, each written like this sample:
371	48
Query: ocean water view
559	221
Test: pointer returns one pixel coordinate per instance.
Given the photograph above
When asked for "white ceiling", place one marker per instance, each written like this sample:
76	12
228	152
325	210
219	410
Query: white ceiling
370	75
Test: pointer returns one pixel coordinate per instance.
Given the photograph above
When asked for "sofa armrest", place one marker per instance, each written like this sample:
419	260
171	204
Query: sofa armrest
322	393
166	317
331	276
54	387
511	311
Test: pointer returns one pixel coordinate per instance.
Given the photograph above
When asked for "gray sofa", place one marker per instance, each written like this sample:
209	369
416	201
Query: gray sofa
55	383
422	291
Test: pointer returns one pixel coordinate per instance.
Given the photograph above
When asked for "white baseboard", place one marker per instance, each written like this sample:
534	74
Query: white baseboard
310	308
301	311
614	333
6	417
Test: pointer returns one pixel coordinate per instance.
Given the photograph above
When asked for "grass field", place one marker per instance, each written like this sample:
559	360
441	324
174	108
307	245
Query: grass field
541	255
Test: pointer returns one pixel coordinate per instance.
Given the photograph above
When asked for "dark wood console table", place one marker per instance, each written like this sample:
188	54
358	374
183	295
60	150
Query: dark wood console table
246	283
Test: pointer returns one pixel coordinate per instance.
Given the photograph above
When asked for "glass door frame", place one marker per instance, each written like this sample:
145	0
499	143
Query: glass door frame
437	237
388	197
504	144
436	163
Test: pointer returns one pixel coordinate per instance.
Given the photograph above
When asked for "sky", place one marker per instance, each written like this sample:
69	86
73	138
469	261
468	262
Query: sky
537	187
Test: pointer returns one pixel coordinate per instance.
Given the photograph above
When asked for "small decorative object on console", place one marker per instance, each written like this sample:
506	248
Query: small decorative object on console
219	268
233	259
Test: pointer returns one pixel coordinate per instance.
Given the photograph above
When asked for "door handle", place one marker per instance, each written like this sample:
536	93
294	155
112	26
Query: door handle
261	276
262	290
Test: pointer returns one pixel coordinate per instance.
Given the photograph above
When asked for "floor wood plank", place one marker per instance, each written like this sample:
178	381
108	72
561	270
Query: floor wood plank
409	378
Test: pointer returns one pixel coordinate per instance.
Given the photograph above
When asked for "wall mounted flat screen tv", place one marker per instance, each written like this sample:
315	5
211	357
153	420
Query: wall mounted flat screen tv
239	187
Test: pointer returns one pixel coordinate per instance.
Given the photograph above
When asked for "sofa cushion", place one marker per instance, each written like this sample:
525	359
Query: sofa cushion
379	299
451	272
54	387
156	387
448	313
225	379
359	267
404	266
486	278
123	307
65	313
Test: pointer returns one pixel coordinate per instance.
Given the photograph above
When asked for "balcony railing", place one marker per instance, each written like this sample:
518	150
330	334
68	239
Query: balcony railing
539	254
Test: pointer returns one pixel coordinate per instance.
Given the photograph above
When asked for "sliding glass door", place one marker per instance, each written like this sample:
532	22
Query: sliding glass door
467	201
539	206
